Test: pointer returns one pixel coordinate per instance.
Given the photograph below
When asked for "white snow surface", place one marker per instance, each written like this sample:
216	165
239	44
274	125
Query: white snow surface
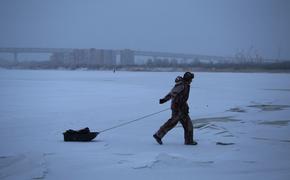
37	106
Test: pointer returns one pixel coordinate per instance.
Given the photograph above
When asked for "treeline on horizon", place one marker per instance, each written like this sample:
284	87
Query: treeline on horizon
155	66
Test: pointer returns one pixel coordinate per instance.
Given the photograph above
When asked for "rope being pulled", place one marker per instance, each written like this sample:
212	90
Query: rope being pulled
138	119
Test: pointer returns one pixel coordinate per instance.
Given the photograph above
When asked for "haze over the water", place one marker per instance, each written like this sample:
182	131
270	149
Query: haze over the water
219	27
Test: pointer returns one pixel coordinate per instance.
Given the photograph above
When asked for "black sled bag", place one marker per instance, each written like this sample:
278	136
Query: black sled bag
79	135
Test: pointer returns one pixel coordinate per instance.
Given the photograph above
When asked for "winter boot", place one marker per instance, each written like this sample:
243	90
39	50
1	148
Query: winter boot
191	143
158	139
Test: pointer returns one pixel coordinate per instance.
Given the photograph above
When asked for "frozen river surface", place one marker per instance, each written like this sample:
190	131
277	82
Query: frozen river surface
251	111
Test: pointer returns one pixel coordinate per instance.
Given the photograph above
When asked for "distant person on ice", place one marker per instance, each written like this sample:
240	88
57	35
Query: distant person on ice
179	96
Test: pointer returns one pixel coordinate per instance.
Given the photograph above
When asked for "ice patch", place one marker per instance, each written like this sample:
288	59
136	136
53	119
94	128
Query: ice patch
275	123
237	109
224	143
270	107
216	119
268	139
277	89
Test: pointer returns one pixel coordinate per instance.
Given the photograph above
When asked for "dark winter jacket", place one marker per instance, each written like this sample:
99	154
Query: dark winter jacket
179	95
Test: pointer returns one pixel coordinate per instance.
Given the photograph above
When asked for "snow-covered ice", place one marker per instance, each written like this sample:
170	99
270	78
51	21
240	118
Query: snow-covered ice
250	110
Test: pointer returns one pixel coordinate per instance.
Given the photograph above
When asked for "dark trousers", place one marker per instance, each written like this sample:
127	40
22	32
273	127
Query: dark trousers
184	119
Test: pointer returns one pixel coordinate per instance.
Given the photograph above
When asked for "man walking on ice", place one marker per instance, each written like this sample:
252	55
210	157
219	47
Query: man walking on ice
179	96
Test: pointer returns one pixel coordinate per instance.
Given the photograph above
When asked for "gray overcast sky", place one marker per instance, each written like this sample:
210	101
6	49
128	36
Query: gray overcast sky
214	27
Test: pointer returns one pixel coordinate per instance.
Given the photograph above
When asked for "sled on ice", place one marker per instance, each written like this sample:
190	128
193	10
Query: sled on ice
79	135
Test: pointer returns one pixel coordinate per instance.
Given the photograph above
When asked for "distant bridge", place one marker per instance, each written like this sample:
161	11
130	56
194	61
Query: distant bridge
178	55
154	54
16	51
35	50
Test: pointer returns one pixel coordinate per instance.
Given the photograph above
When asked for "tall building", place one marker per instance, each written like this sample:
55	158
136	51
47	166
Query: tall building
79	57
109	57
92	56
61	57
100	56
95	57
86	57
127	57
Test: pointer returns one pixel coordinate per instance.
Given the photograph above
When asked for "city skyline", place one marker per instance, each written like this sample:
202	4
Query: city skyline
220	28
93	56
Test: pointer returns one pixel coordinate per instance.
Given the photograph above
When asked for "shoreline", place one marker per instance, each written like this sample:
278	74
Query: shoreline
146	69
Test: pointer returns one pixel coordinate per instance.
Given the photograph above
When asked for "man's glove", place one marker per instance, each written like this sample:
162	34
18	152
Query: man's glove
161	101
